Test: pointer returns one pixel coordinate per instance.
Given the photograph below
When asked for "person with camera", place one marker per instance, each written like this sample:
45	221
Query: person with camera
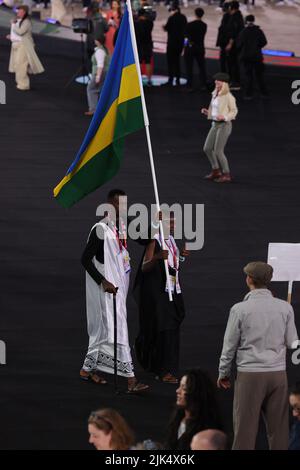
100	63
143	31
175	27
23	58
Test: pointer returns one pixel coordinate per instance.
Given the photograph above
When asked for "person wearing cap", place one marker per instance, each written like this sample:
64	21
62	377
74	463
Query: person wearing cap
250	42
222	110
258	332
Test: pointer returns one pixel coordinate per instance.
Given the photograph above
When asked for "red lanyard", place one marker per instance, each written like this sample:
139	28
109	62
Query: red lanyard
122	241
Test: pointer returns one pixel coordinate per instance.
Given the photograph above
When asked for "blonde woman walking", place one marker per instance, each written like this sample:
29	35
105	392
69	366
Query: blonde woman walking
222	111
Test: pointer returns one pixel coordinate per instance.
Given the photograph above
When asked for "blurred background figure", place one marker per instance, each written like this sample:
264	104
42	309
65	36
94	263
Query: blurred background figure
294	399
250	42
175	27
233	27
197	409
222	38
108	430
113	18
98	26
211	439
58	10
195	49
23	58
100	65
143	30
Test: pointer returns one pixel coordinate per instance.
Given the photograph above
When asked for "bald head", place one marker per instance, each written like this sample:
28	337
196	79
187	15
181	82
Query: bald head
211	439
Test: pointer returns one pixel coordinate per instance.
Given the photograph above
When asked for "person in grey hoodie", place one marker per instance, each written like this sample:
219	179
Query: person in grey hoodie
258	332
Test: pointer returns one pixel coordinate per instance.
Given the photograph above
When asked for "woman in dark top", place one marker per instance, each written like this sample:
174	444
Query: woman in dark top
157	344
197	409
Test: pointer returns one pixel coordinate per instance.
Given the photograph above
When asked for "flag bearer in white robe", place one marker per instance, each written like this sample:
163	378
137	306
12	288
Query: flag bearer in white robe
107	264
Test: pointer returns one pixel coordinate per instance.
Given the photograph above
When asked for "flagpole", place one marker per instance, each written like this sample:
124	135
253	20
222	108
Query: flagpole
146	120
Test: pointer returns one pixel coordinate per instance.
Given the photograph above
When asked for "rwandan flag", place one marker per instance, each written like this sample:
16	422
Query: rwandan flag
119	112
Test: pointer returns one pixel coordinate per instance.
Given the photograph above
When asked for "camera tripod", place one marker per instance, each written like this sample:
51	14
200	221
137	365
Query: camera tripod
82	71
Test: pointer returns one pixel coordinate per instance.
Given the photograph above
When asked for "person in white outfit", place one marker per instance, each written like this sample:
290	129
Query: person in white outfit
107	264
23	58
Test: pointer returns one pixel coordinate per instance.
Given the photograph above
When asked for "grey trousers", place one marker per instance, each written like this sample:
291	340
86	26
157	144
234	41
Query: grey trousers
93	92
215	144
266	393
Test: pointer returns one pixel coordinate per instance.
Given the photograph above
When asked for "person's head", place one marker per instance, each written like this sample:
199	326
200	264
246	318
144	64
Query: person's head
22	12
221	83
197	404
196	394
294	400
210	439
141	14
234	6
249	20
259	275
115	5
100	40
199	13
109	431
113	198
174	8
168	222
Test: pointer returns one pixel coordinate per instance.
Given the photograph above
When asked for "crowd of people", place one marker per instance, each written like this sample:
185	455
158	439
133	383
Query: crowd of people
260	329
194	425
240	42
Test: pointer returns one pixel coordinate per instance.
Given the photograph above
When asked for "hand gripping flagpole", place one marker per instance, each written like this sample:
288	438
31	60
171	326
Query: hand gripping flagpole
146	120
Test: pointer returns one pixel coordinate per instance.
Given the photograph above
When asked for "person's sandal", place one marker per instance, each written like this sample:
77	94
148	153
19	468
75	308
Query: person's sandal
168	379
136	387
92	377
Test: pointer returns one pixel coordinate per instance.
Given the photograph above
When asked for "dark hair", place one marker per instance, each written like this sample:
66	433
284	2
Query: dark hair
115	192
250	19
202	404
295	389
199	12
119	7
234	5
100	38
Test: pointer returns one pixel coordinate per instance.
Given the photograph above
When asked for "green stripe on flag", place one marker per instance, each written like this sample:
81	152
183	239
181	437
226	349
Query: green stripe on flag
104	165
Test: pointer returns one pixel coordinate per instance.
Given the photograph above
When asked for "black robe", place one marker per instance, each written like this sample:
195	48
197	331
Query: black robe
159	320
